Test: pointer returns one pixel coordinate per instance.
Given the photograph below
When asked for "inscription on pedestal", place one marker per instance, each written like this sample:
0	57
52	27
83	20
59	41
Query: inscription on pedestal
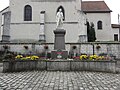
59	55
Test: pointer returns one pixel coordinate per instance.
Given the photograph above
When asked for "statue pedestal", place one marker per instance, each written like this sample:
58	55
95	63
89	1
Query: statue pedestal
59	45
59	39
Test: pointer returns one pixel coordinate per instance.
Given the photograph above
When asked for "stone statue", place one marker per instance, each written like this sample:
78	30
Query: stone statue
59	19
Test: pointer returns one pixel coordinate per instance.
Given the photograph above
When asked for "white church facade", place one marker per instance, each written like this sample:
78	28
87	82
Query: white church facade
35	20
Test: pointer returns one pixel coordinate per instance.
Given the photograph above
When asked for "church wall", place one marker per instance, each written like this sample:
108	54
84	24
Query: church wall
1	12
17	9
115	31
105	34
32	32
19	27
2	20
71	33
0	24
25	31
6	27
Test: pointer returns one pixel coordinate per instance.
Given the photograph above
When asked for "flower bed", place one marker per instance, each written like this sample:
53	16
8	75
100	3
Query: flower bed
92	57
28	57
80	63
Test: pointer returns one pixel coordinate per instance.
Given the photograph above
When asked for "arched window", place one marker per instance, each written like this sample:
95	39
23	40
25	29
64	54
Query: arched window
99	24
60	7
27	13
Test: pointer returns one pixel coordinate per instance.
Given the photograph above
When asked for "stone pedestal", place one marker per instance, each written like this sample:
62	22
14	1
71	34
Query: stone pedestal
59	45
59	39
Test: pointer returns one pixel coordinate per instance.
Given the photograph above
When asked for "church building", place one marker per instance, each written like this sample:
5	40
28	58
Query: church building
35	20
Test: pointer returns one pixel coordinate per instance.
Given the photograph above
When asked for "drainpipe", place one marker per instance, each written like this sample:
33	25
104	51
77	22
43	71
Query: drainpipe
119	32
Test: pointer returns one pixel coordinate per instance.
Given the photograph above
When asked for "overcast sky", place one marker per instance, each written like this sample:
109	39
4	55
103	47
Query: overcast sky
114	5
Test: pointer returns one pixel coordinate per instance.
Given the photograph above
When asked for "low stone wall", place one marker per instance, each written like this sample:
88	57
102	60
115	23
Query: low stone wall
61	65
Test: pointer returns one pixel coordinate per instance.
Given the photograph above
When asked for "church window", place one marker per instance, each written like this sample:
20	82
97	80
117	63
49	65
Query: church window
27	13
99	24
63	11
115	37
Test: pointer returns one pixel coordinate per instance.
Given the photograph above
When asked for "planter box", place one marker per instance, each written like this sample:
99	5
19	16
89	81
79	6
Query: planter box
58	65
23	65
103	66
61	65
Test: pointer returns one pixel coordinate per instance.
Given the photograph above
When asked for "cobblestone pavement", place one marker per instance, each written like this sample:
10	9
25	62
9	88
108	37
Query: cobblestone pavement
1	67
57	80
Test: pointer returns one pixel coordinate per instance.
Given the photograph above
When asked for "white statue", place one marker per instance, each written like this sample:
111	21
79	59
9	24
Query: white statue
59	19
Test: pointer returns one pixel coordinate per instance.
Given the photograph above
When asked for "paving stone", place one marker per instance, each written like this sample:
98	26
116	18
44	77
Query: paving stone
58	80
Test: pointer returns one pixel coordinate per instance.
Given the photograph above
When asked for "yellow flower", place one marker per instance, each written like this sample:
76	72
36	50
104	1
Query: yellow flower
28	57
34	57
83	57
24	58
92	57
18	56
100	58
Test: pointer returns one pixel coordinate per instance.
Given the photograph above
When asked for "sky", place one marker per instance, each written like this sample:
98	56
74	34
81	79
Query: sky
114	5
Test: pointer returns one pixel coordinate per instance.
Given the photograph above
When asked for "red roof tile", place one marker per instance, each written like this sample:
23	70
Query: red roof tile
95	6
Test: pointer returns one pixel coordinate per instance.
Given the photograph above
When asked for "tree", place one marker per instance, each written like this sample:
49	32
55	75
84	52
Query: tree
91	32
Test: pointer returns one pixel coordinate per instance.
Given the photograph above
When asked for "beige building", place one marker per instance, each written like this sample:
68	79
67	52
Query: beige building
116	31
35	20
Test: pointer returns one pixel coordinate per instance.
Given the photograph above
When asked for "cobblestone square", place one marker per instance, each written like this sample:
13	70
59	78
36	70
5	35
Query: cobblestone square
58	80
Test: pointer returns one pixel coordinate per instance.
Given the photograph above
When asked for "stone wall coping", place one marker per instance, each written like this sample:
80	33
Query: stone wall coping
59	61
40	43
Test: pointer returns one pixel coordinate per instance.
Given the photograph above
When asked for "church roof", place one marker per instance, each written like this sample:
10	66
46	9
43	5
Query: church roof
115	25
95	7
4	9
